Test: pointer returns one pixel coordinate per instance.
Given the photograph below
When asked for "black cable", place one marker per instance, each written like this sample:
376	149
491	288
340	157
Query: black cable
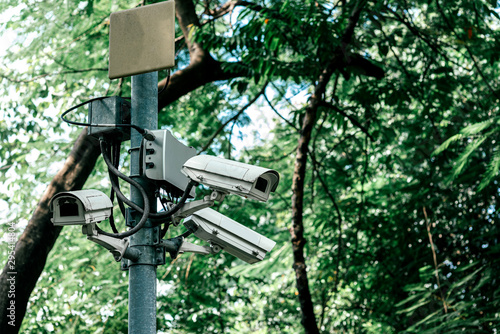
117	174
183	199
145	211
133	205
186	234
116	163
111	217
164	230
168	221
142	131
163	200
166	84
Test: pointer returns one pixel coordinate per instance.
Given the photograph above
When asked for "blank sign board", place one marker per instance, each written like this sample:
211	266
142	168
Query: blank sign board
142	40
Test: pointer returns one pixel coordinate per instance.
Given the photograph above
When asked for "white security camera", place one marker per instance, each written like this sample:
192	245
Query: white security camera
234	238
80	207
232	177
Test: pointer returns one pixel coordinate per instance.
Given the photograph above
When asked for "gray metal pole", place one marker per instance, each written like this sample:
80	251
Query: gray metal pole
142	273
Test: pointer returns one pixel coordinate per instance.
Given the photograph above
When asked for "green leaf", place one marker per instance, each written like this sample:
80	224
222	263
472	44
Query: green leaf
447	143
476	128
463	159
491	171
274	44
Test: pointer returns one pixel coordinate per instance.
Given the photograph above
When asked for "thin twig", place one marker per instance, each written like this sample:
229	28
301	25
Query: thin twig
287	99
434	257
274	159
334	147
233	119
339	217
279	115
191	258
354	121
473	58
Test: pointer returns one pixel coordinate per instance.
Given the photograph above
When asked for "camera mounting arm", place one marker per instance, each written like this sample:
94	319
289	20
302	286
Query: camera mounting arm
118	247
178	245
189	208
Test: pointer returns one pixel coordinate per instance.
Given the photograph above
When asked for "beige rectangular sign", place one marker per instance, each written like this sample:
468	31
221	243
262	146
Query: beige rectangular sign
142	40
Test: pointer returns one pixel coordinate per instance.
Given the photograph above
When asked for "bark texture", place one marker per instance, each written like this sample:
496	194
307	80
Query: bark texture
39	237
202	68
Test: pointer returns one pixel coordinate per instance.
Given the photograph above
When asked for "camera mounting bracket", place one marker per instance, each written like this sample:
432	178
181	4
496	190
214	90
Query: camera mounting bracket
189	208
118	247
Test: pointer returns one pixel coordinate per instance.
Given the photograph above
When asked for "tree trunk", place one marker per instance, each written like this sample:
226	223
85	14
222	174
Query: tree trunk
17	282
337	61
297	230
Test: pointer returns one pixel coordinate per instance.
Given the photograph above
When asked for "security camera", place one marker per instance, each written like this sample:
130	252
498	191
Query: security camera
232	177
80	207
234	238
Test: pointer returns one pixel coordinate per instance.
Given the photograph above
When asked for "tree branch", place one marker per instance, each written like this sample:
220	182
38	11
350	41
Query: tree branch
434	258
233	119
339	219
187	19
201	71
279	115
349	117
202	68
471	55
229	7
297	230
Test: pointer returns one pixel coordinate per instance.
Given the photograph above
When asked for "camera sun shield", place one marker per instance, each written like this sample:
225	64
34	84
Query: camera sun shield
231	236
80	207
232	177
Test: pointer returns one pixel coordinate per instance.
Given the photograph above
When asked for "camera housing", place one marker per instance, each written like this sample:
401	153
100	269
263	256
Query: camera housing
162	160
232	177
223	232
80	207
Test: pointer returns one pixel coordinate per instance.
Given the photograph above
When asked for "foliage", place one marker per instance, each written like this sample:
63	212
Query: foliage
402	192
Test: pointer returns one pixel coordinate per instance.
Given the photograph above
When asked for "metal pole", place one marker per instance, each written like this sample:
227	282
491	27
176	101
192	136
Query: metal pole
142	273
